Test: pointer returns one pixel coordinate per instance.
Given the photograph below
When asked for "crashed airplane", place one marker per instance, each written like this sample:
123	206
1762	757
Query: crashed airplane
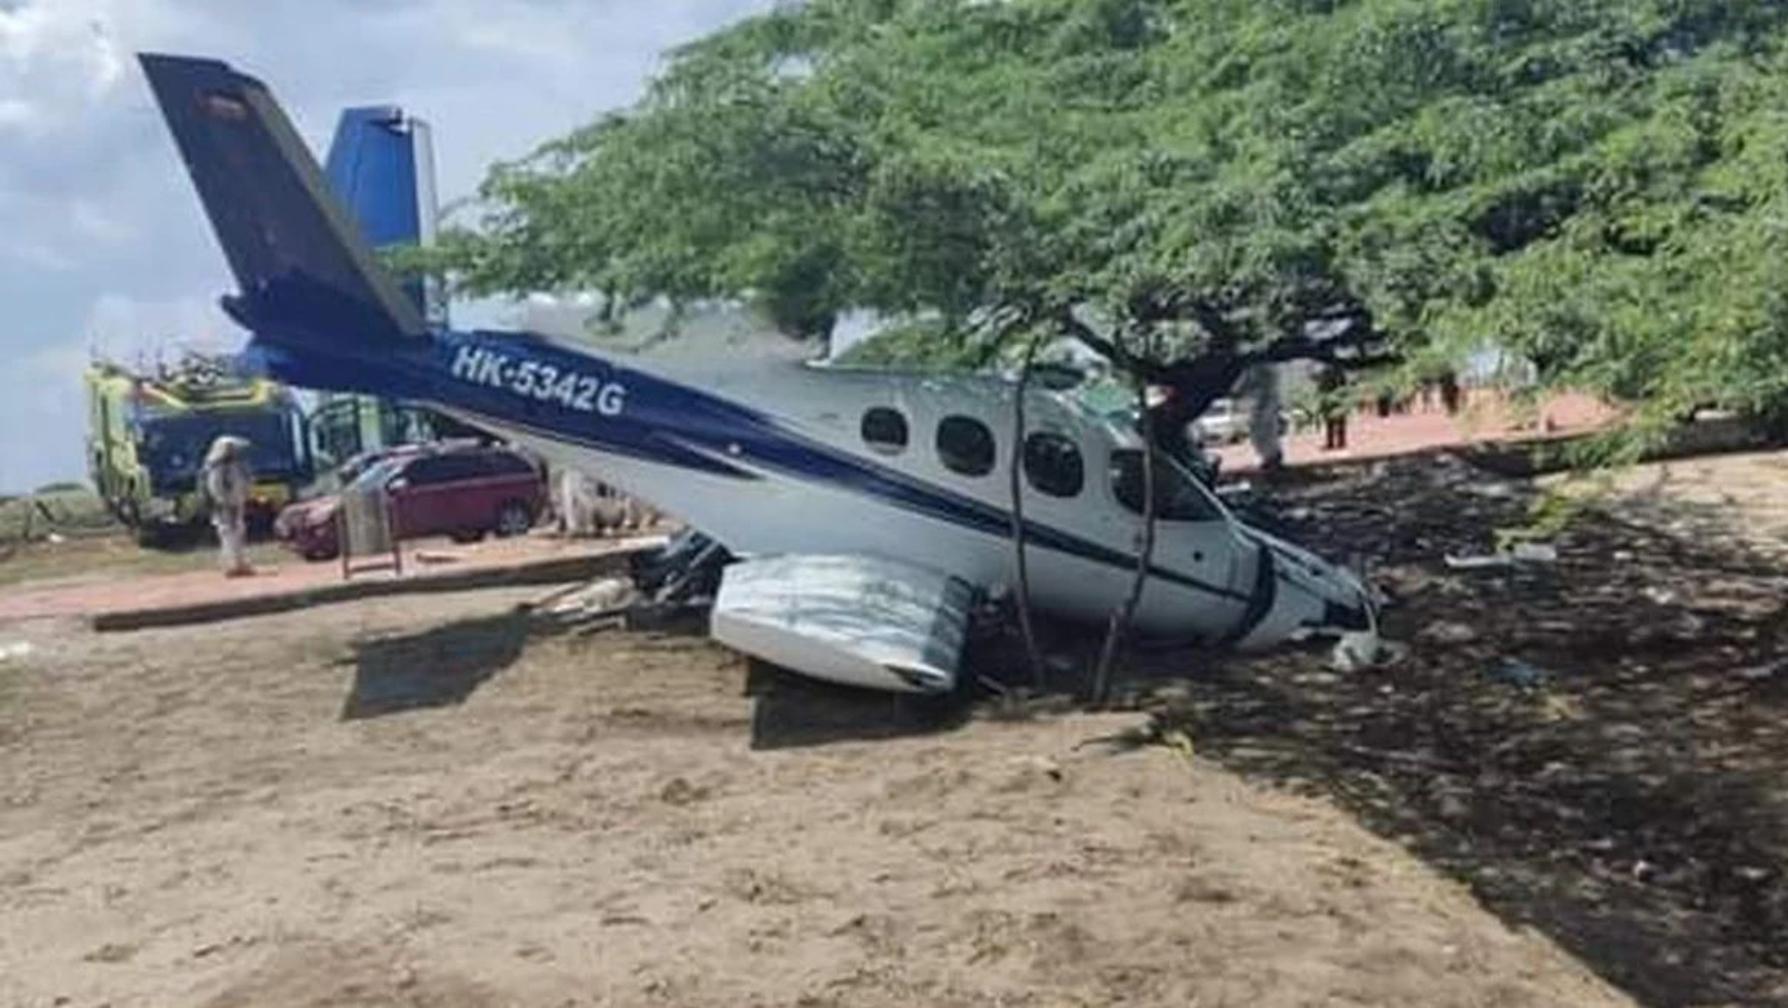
867	509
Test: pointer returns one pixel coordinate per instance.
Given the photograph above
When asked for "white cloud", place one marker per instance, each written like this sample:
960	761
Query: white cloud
133	330
89	221
35	255
16	113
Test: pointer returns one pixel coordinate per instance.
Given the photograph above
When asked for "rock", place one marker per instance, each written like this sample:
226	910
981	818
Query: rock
1449	632
1516	672
1760	673
1689	626
1041	765
111	952
1660	596
680	792
1490	490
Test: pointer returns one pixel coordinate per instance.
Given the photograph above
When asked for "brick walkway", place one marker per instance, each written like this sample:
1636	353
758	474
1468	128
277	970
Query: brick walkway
1486	417
422	559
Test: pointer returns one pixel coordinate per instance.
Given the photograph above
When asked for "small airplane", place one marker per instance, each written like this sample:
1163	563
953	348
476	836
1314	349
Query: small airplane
868	509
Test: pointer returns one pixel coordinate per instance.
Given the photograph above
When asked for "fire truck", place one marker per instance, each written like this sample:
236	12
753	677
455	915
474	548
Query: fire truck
149	429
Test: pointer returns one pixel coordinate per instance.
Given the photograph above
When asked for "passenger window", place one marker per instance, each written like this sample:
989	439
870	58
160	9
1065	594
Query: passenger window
508	465
1178	497
425	472
444	469
965	445
884	430
1052	464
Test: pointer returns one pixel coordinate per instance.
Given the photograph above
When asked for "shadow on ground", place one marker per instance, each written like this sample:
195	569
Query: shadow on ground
1632	803
790	711
438	667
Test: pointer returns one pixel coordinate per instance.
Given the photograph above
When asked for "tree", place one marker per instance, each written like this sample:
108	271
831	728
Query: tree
1594	185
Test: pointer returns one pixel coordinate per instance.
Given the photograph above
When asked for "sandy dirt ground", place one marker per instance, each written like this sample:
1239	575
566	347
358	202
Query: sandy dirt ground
440	802
1741	498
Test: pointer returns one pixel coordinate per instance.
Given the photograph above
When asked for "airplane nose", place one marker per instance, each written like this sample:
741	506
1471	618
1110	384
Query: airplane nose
1298	594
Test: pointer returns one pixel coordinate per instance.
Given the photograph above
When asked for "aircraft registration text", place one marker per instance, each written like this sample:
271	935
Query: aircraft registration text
537	380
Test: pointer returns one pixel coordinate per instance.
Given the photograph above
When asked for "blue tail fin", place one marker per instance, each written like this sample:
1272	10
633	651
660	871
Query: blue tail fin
381	166
304	270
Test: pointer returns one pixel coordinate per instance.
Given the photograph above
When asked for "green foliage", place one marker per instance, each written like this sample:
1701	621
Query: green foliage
1595	185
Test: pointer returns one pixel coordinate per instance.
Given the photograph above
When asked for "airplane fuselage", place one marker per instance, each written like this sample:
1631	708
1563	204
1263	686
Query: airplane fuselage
811	459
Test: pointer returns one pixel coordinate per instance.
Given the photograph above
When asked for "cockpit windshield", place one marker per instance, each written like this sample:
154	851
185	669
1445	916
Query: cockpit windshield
1178	496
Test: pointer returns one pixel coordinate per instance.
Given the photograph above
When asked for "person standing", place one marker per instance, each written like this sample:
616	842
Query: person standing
227	482
1331	387
1450	396
1265	426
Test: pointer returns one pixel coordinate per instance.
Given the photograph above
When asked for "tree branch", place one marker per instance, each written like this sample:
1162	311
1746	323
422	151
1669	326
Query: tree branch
1148	369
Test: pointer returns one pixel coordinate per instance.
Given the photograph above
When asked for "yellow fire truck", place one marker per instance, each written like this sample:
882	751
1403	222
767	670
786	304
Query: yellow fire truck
148	434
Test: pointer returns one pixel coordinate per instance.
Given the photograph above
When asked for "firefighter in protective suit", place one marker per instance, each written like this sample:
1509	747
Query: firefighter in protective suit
227	484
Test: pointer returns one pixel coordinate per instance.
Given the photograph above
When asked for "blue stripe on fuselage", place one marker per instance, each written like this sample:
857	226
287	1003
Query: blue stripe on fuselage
657	421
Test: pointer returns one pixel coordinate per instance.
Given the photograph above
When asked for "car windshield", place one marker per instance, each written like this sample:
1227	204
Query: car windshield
378	474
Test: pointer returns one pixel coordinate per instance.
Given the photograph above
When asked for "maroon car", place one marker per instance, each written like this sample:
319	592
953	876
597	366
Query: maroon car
464	493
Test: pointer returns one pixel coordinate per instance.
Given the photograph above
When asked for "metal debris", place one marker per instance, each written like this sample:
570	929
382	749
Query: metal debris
1534	552
1363	649
1519	553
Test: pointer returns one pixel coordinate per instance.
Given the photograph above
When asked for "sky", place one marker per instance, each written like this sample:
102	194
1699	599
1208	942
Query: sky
103	245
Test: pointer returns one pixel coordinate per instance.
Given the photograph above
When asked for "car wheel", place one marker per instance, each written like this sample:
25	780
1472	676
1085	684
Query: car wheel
514	519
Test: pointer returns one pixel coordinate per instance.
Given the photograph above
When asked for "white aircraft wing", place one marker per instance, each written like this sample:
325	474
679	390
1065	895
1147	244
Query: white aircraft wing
858	620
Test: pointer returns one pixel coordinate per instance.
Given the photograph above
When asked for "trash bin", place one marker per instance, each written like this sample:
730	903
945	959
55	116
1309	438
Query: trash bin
366	529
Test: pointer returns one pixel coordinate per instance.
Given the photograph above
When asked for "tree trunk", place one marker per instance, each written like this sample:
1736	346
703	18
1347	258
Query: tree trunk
1121	619
1195	385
